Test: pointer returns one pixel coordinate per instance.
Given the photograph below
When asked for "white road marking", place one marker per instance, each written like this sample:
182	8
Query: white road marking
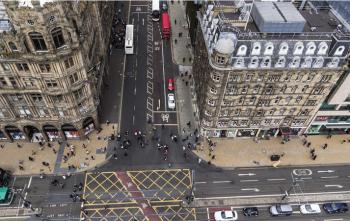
329	177
325	171
251	189
133	119
200	182
163	77
246	174
242	181
30	182
277	179
334	185
333	219
296	212
224	181
135	91
302	172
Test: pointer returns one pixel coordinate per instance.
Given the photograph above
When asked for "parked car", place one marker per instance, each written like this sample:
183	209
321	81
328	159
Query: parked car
281	210
225	215
310	208
335	207
171	101
250	211
171	84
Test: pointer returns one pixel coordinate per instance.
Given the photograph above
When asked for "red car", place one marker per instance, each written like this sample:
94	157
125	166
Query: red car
171	84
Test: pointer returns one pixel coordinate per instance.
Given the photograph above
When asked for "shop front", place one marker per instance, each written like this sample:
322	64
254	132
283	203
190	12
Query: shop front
70	132
247	132
15	133
51	132
267	133
2	136
33	133
88	125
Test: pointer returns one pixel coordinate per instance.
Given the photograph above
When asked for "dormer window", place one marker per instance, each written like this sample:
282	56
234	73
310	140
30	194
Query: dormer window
242	50
281	62
283	48
339	51
310	48
298	48
38	41
13	46
220	59
269	49
256	48
322	48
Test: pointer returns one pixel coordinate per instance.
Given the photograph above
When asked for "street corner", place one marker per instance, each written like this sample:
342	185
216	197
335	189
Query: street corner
211	211
168	118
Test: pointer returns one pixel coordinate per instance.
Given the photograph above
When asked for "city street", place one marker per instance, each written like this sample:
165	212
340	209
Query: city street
151	182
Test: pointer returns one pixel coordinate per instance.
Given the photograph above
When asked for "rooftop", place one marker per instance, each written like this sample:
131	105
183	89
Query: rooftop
318	20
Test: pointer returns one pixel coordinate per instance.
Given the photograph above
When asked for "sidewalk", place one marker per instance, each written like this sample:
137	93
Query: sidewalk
243	152
12	154
182	49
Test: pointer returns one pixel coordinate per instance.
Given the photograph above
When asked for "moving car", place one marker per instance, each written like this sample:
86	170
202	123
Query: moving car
310	208
335	207
250	211
281	210
171	84
164	5
225	215
171	101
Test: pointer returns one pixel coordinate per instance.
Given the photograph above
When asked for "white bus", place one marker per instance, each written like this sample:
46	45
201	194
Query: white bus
129	39
155	10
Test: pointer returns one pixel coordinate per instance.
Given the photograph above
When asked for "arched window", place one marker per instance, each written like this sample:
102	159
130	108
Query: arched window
242	50
339	51
283	48
322	48
256	48
57	36
38	41
13	46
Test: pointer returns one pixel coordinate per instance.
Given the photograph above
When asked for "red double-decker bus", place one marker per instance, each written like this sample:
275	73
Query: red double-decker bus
165	25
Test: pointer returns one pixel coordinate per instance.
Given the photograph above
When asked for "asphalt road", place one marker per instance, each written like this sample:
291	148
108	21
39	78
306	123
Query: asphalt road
264	181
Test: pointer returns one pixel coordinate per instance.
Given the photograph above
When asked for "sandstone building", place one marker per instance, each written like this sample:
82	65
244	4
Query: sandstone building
53	56
265	68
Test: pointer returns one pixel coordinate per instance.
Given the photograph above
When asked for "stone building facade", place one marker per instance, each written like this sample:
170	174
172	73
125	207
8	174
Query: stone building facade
261	79
53	56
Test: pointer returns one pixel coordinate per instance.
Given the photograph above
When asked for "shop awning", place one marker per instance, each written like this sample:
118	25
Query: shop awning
337	126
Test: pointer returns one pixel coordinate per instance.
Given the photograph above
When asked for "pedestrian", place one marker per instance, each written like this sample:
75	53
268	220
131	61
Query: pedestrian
199	160
325	146
92	157
183	148
31	158
343	141
18	145
84	146
54	150
209	162
314	157
186	83
125	154
2	146
213	157
115	156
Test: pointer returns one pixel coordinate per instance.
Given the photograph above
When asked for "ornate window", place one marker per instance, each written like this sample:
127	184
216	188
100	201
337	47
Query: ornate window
22	67
44	68
216	77
242	50
38	41
57	36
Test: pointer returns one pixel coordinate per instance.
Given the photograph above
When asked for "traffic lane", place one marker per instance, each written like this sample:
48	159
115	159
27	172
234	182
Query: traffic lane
159	82
170	69
140	98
